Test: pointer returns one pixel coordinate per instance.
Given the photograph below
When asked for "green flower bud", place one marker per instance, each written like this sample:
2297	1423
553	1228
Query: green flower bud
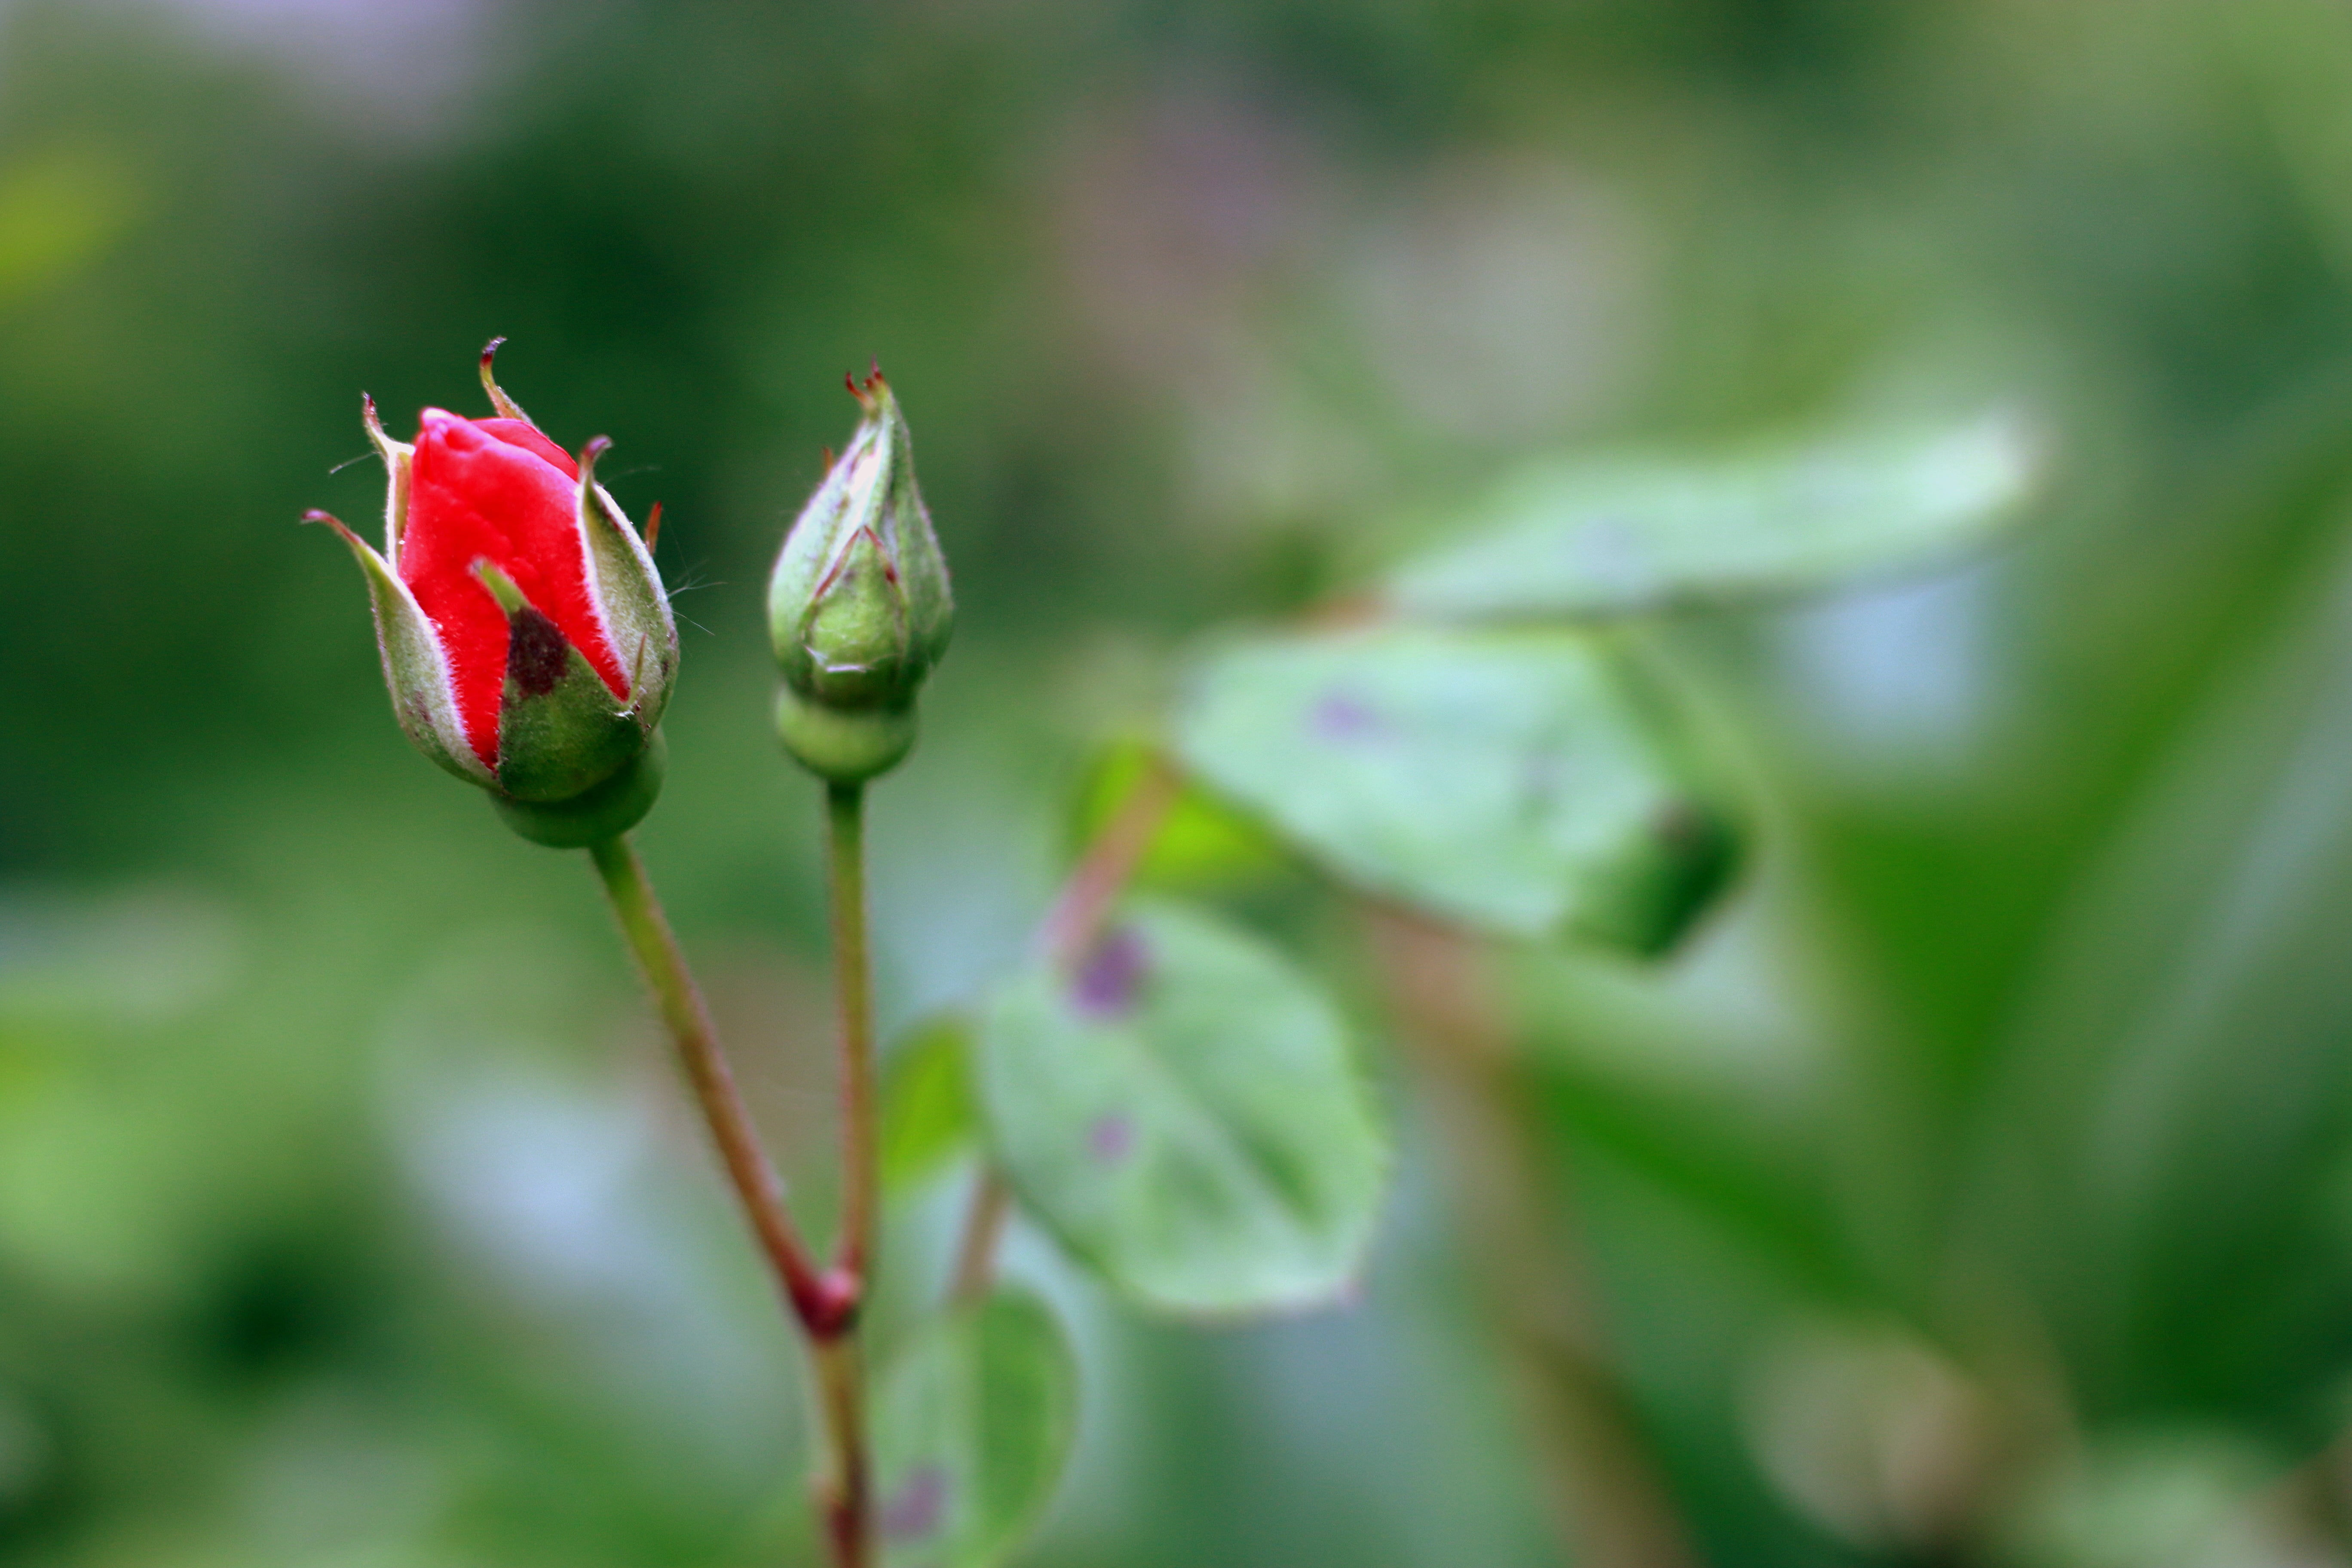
859	606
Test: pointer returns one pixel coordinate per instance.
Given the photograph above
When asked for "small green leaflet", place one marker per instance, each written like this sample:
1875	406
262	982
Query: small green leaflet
926	1111
1506	780
1201	844
972	1426
1185	1113
1596	537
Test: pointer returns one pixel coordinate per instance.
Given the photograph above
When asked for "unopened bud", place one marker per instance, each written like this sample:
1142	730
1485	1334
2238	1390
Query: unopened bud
526	636
859	606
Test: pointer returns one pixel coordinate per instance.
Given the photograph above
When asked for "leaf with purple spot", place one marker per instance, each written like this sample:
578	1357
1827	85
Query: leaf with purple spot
1513	781
973	1425
1182	1110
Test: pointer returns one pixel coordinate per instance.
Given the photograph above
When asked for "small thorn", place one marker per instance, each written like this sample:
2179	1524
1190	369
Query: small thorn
653	527
849	380
872	368
828	461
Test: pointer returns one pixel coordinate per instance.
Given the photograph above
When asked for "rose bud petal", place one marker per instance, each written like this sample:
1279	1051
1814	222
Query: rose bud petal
859	606
526	637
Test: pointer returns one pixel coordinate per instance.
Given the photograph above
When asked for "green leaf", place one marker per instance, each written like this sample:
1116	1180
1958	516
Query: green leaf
1201	844
1594	537
928	1115
972	1428
1185	1113
1507	780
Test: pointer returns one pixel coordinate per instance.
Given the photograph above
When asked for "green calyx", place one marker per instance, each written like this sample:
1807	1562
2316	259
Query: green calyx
859	606
606	810
844	745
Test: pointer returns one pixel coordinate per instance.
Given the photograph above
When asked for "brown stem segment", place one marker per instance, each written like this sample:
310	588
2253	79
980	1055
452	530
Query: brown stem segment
816	1299
983	1228
847	1494
1102	873
1611	1503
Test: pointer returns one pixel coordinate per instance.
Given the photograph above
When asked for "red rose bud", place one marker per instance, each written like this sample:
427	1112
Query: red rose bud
525	635
859	606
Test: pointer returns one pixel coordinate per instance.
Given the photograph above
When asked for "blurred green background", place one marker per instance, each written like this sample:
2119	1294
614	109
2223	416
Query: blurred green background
1977	1187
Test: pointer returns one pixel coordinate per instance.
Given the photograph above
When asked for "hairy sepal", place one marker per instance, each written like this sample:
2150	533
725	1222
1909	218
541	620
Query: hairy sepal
846	504
624	588
399	457
561	733
415	671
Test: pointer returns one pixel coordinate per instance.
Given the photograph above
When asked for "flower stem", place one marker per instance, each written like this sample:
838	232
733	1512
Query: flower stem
848	1492
839	1365
853	995
813	1297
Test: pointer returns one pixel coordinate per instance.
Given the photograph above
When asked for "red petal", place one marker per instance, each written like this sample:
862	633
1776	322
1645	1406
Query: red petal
495	488
522	433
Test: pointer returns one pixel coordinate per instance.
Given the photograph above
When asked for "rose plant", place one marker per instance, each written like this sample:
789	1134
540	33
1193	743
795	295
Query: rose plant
1161	1089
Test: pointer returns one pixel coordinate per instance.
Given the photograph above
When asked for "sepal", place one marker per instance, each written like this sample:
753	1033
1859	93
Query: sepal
398	458
561	733
855	633
607	811
415	669
626	589
845	745
507	407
